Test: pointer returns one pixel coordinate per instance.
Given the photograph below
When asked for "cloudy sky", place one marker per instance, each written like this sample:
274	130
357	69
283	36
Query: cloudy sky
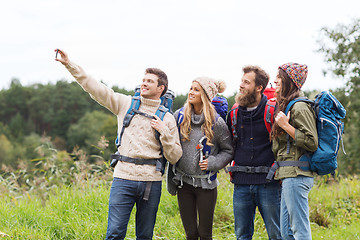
116	40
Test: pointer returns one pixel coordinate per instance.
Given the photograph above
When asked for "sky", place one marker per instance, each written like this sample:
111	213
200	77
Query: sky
115	41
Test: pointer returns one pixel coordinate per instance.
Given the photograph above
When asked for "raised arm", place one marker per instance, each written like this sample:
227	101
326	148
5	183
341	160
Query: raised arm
104	95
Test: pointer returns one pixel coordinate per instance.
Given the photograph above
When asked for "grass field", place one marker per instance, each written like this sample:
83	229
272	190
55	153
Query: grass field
80	212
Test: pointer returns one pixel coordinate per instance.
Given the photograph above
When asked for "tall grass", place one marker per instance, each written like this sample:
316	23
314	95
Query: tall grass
80	212
63	196
69	213
335	209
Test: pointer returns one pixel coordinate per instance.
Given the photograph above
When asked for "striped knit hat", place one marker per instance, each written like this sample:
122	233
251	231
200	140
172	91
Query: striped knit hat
297	72
211	86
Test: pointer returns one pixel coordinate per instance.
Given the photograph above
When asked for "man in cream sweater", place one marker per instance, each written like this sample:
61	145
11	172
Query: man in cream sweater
138	184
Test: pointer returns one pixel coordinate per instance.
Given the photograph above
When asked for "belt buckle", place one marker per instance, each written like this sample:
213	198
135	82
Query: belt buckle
250	169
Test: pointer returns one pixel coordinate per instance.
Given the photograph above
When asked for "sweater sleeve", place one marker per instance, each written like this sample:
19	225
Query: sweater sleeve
115	102
169	137
224	144
305	127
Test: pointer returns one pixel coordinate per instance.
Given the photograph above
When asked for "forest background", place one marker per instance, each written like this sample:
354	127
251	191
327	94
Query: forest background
55	137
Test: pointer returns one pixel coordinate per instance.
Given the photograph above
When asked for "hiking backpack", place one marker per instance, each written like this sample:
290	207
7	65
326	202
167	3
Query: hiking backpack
221	106
165	106
329	112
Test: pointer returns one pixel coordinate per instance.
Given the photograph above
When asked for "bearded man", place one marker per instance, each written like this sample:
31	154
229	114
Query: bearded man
253	158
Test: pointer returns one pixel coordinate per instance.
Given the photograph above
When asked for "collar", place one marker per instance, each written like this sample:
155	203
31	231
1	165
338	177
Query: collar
150	102
197	119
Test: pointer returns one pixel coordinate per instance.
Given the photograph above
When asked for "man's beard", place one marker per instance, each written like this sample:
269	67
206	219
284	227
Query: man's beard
247	99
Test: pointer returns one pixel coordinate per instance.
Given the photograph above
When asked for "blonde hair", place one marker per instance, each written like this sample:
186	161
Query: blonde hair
209	114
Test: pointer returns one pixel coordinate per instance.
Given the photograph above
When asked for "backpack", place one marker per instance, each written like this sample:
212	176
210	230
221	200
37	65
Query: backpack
165	106
329	112
269	92
268	120
221	106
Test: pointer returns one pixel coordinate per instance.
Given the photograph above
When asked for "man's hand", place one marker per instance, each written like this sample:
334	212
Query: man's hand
157	124
63	57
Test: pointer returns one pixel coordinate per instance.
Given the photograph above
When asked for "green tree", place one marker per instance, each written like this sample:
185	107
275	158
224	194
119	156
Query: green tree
179	102
13	102
88	131
341	47
6	148
4	129
109	130
16	126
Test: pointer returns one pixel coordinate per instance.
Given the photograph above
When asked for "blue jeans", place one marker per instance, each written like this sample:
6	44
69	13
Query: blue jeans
295	222
245	200
124	195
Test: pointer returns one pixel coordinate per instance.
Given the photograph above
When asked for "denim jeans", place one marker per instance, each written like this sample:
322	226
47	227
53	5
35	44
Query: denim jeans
245	200
294	219
124	195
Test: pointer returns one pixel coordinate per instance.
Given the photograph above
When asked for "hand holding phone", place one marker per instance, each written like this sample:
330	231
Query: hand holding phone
63	56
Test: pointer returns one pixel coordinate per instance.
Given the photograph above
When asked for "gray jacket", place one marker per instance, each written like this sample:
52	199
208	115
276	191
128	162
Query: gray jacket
188	169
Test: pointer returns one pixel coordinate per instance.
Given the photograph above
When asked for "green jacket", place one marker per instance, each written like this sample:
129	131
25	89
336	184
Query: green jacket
302	118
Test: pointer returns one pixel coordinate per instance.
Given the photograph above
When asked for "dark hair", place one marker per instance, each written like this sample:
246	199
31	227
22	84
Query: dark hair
163	80
261	77
288	92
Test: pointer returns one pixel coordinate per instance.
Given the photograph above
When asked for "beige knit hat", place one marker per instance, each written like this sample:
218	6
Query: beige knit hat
211	86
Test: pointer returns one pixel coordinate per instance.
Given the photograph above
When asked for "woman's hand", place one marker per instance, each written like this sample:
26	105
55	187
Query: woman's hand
203	164
64	57
283	122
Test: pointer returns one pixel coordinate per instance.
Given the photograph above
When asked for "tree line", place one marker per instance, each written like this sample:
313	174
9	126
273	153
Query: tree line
65	114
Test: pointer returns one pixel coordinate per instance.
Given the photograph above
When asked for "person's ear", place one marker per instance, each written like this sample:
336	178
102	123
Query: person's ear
162	87
259	88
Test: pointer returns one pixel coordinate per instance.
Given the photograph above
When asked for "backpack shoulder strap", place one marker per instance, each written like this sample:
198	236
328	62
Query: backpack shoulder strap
233	117
161	111
269	114
295	100
180	117
135	105
288	107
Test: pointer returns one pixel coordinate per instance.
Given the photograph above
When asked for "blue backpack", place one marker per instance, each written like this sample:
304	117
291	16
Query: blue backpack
329	112
221	106
165	106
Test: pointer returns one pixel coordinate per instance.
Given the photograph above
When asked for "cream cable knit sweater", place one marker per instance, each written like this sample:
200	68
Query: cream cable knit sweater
138	140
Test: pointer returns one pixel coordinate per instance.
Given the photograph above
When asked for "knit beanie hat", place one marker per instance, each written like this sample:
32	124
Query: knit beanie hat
297	72
211	86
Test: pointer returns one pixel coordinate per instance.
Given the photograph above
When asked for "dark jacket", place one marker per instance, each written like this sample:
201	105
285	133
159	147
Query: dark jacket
253	147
